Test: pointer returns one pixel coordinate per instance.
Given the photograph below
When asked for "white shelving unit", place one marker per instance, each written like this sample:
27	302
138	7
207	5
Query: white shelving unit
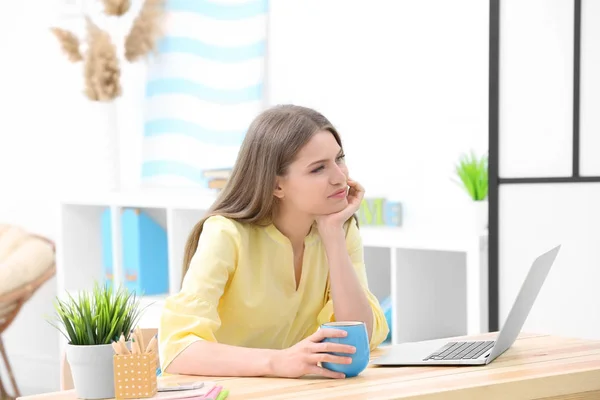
438	284
79	246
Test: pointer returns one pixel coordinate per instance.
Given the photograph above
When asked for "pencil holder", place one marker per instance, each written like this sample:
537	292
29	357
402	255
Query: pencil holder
135	375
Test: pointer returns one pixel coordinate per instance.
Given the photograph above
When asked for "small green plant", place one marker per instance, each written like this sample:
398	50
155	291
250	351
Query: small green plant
472	175
98	316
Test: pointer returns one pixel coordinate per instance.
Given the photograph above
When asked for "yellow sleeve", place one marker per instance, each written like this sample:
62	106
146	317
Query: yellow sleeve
355	250
191	314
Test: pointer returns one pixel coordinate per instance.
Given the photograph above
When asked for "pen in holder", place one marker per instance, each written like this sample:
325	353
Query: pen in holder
135	371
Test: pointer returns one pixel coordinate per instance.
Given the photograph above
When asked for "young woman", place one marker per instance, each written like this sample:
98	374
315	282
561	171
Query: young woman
278	254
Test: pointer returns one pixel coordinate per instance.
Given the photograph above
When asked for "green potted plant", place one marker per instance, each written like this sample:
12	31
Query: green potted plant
91	321
472	175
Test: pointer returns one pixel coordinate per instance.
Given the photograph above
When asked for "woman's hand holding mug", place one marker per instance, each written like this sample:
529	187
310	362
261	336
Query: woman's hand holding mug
304	357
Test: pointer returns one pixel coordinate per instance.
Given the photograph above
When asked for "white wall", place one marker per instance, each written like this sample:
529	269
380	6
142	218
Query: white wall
49	143
535	218
32	155
590	88
404	81
406	84
535	127
536	94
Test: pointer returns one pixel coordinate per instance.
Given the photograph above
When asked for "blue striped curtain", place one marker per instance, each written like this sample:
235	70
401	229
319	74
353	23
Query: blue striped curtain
204	87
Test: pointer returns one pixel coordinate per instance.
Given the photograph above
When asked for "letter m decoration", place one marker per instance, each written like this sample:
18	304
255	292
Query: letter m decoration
380	212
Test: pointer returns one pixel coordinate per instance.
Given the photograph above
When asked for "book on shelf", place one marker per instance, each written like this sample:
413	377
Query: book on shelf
144	253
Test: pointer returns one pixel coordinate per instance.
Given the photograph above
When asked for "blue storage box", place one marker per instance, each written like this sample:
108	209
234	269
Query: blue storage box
145	255
144	249
386	306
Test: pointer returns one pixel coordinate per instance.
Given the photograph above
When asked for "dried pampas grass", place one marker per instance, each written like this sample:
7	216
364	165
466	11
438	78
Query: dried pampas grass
101	62
116	7
101	72
145	30
69	44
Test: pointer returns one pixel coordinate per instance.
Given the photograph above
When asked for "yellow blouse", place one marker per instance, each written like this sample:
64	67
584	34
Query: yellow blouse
240	290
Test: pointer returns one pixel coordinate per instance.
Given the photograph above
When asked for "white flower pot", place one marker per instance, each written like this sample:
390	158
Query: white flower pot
92	371
480	216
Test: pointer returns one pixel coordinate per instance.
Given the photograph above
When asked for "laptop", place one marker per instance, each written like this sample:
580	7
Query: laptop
478	352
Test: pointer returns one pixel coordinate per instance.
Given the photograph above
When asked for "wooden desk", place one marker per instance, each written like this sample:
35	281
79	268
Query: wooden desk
536	367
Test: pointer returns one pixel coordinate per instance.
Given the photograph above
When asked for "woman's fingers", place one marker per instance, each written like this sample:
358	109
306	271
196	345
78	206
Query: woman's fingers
330	347
321	352
324	333
330	358
355	185
356	193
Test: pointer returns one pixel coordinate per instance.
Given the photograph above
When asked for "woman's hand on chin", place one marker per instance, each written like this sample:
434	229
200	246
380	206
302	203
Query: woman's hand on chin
335	221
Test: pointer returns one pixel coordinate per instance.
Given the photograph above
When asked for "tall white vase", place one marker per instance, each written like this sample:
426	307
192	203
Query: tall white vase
105	136
104	116
480	216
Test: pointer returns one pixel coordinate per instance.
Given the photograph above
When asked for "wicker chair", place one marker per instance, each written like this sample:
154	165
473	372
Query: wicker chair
27	261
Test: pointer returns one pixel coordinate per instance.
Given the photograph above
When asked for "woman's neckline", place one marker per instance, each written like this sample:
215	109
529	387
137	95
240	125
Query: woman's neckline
276	234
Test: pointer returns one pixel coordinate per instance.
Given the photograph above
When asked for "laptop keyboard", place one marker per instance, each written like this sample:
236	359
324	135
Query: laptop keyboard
461	350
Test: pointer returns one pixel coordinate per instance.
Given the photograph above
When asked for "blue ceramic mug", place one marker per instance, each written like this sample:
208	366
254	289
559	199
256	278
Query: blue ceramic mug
357	337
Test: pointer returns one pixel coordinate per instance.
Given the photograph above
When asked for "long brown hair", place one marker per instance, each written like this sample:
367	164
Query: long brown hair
271	143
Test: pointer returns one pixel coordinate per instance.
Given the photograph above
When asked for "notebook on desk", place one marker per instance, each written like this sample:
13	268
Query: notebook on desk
476	352
206	392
